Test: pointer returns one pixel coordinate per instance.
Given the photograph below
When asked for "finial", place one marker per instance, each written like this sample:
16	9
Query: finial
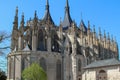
16	11
112	38
67	4
47	5
99	31
115	39
23	16
22	21
47	2
60	20
35	15
73	24
108	36
88	25
94	29
104	34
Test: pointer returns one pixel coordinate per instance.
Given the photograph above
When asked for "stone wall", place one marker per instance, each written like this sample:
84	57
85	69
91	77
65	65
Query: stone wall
113	73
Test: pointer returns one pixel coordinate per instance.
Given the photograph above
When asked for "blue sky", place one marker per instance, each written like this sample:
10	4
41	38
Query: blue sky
101	13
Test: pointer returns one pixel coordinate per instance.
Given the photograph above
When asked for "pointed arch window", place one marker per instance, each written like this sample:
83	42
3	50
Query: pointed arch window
43	63
40	40
23	64
58	70
79	65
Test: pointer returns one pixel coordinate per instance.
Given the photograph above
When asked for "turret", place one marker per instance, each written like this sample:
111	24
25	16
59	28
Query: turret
14	38
34	33
21	34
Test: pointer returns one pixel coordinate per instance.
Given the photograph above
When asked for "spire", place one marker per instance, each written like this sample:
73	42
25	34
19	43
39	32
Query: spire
60	22
47	16
88	31
22	21
112	38
15	26
16	14
35	21
47	5
108	36
100	35
104	37
67	18
104	34
94	31
67	4
99	31
21	29
35	15
88	25
82	26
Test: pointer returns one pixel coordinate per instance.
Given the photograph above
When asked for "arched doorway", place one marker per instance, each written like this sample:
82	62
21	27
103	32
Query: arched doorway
102	75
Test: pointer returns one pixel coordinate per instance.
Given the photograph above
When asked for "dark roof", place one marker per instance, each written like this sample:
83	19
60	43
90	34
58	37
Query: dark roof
82	26
67	18
47	15
103	63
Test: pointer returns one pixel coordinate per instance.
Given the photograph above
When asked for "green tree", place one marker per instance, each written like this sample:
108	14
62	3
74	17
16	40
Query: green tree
34	72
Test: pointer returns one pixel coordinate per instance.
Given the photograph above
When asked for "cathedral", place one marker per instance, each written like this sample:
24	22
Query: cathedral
65	51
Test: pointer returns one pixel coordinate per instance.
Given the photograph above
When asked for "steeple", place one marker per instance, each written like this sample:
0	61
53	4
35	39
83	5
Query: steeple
47	16
67	18
15	26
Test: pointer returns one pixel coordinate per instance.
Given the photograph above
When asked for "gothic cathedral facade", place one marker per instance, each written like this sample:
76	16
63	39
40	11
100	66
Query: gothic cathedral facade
62	51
